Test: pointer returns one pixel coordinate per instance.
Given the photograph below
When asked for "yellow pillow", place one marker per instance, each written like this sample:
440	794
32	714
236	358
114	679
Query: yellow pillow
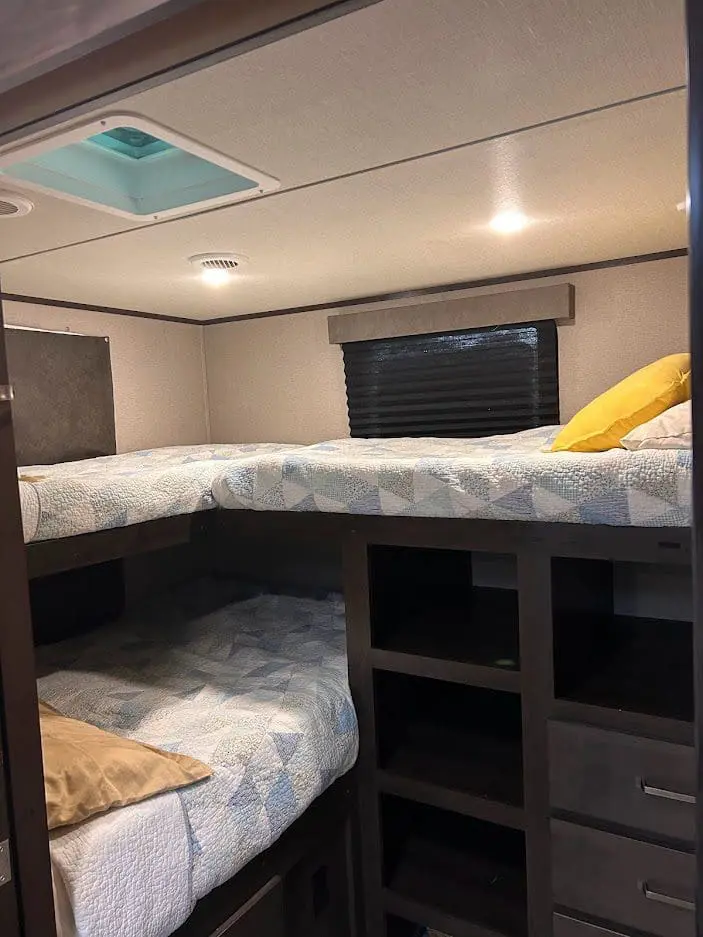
639	398
88	771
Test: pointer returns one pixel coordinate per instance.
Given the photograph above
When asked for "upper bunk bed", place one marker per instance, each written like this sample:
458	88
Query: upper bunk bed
88	510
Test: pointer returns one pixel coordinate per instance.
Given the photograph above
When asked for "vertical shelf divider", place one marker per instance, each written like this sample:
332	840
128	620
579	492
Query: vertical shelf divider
358	615
537	679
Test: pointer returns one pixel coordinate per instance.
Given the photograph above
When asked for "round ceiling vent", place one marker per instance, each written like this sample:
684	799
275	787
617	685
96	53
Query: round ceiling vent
217	268
14	206
220	261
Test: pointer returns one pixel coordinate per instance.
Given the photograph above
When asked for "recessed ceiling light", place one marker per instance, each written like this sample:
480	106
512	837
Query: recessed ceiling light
217	269
509	222
215	277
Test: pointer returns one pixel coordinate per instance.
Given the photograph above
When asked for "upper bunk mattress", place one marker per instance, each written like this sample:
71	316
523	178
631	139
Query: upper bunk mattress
117	490
496	477
258	690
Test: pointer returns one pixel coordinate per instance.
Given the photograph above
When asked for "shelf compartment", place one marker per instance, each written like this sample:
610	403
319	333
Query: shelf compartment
445	605
609	658
450	746
458	874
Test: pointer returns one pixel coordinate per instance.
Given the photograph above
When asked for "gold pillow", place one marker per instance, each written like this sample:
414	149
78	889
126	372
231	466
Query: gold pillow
88	771
636	400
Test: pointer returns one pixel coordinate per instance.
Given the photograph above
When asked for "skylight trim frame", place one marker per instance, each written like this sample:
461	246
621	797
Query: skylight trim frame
79	133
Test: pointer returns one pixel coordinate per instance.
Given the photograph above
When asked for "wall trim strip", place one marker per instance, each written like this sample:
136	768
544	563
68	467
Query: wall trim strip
89	307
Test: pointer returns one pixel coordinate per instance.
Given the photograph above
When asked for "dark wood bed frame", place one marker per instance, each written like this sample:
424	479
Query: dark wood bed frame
563	570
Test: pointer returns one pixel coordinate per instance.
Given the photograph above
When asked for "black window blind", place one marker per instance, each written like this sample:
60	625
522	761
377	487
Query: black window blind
472	383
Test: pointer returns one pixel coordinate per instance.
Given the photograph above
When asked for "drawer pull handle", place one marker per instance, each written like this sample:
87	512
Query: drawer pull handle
664	794
670	900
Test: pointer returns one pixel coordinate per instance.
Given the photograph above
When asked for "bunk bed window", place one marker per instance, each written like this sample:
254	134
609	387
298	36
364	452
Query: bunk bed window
476	382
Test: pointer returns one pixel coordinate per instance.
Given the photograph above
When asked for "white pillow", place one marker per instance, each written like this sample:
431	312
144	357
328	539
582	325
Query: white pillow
670	430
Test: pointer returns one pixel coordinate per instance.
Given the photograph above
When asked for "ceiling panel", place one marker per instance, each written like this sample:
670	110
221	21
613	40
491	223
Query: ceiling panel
398	79
404	77
53	223
598	187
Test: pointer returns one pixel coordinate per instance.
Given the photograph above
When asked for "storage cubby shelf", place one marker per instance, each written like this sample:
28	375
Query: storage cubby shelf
640	665
481	628
459	875
449	746
441	669
470	772
430	617
458	892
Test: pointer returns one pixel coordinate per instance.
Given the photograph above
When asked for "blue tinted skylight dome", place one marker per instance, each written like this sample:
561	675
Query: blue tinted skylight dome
136	144
129	166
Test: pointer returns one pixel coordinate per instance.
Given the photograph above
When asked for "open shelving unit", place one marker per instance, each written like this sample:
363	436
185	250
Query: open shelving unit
444	655
459	659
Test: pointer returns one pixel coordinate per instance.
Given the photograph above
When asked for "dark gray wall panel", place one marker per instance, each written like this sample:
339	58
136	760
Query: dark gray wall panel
63	408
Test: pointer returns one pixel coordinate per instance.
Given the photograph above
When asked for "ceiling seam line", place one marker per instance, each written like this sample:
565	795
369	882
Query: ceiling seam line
453	148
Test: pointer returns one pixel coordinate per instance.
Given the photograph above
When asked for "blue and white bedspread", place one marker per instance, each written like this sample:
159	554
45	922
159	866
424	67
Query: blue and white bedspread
114	491
257	690
497	477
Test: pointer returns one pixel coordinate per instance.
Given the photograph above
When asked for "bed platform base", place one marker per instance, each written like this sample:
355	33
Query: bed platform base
637	544
302	886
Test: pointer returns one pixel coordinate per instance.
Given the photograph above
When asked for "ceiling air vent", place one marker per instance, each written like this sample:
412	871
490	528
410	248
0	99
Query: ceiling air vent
217	269
14	206
219	263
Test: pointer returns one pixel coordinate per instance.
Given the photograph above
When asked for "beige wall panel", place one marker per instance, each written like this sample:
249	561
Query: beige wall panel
279	379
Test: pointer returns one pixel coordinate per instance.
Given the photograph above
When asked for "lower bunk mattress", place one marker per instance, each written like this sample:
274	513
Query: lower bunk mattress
508	477
73	498
257	690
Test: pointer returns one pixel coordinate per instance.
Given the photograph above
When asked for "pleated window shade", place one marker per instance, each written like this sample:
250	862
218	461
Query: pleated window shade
476	382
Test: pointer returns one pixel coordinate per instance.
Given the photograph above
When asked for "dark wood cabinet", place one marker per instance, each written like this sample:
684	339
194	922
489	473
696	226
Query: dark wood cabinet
643	784
616	878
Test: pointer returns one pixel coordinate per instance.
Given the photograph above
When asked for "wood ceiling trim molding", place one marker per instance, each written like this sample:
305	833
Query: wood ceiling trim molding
206	32
454	287
89	307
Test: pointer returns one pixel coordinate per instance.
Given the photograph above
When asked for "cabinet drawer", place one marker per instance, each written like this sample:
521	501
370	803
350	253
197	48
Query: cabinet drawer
636	782
617	879
569	927
261	916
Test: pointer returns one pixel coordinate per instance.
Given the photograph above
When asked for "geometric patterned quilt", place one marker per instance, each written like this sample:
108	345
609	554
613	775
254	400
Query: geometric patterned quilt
256	689
113	491
508	477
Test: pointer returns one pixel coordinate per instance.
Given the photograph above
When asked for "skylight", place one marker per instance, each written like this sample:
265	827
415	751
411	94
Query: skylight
136	144
129	166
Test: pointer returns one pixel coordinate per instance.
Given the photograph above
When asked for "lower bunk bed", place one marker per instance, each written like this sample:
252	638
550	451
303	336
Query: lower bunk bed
257	690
